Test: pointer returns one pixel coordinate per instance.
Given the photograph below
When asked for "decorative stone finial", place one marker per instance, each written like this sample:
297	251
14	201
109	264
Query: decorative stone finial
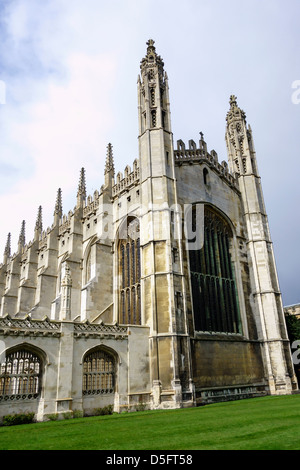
235	113
152	58
109	162
58	204
21	242
81	193
39	223
233	101
7	250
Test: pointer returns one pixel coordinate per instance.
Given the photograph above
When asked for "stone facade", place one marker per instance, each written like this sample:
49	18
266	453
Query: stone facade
158	290
292	310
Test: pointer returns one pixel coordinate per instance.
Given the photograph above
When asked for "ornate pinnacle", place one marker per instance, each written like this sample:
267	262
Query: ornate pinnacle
109	162
58	204
152	57
21	242
150	45
233	101
81	193
39	223
7	251
81	186
235	112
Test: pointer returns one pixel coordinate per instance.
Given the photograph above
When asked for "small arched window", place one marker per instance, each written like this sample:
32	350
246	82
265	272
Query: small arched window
98	373
205	176
20	375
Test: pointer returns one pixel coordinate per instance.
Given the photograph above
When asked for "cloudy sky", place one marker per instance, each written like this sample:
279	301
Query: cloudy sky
68	73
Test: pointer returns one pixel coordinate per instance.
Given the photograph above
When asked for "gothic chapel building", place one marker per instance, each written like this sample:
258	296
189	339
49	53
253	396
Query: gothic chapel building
160	289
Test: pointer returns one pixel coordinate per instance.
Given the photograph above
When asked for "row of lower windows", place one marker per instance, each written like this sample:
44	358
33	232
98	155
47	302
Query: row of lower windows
21	374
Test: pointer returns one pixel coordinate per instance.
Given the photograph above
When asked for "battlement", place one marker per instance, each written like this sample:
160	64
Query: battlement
131	178
65	225
192	155
92	205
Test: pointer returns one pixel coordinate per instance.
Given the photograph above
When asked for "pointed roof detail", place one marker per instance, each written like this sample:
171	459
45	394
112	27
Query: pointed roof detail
235	113
39	223
152	58
21	242
81	186
109	162
81	193
58	204
7	250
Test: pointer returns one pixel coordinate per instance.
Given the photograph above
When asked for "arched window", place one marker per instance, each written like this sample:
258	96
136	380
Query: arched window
205	176
20	375
98	373
130	273
215	300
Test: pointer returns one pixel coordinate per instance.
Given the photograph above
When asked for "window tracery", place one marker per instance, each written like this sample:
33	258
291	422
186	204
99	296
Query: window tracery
214	291
130	273
20	375
98	373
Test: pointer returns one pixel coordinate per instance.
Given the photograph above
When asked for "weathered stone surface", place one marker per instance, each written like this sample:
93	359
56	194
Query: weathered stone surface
106	298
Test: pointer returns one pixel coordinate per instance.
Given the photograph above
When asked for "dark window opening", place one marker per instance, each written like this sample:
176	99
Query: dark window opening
214	293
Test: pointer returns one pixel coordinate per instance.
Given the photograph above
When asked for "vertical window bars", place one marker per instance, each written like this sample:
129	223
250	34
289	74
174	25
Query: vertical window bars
130	274
98	373
214	292
20	376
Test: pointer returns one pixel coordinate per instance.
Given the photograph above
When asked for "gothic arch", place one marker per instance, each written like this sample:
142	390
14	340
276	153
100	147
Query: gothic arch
129	270
22	372
212	276
99	371
87	261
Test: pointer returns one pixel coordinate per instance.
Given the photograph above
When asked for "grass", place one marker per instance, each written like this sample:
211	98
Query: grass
268	423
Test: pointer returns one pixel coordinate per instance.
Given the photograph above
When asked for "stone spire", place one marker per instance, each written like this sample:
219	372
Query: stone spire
7	250
152	58
238	140
235	113
21	242
153	93
109	171
266	301
81	193
58	207
109	162
39	224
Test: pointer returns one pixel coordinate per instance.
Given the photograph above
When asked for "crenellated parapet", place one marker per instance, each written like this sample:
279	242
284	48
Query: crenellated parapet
130	179
195	155
92	205
66	224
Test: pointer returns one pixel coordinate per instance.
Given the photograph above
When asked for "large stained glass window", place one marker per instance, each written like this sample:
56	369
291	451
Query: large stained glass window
215	301
130	274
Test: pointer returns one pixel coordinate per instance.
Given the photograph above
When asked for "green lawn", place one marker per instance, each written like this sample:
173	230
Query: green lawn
269	423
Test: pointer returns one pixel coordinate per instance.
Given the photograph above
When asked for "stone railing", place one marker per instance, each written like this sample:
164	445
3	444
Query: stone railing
28	326
87	329
91	208
46	327
127	182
